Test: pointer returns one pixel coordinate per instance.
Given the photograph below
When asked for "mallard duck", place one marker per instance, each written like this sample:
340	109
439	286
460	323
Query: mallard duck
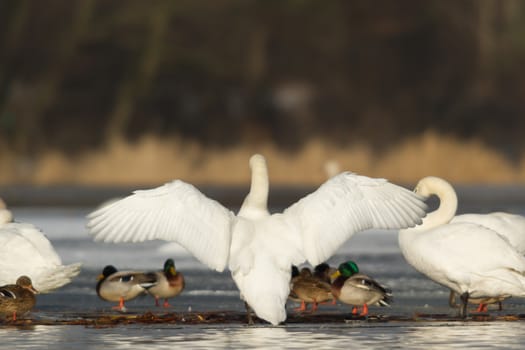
170	283
25	250
114	285
259	248
17	298
310	289
469	258
354	288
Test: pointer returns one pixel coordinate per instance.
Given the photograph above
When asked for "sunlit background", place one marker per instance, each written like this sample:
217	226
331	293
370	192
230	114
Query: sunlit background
97	92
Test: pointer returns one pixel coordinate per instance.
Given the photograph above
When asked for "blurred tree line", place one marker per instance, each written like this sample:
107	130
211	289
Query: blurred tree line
77	73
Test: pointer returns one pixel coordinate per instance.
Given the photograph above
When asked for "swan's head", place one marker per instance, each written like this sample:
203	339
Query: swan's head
346	269
257	161
429	185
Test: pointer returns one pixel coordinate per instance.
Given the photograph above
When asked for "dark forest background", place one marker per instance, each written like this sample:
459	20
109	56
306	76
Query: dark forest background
76	74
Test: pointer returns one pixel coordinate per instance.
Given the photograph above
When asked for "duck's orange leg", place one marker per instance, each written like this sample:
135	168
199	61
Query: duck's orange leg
166	303
14	315
354	310
302	307
482	308
120	305
365	310
314	306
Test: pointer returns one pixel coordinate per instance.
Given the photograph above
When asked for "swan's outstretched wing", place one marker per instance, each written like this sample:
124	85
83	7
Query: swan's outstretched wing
176	211
349	203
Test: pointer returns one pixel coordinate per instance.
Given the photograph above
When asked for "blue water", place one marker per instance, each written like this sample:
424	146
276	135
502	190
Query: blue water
377	254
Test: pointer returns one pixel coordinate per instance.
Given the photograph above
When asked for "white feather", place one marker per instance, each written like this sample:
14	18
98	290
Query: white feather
259	248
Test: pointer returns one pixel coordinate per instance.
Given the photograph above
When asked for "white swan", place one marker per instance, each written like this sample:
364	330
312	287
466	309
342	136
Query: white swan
469	258
24	250
259	248
510	226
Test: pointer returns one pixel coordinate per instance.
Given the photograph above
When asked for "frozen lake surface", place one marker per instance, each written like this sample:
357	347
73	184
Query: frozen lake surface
376	252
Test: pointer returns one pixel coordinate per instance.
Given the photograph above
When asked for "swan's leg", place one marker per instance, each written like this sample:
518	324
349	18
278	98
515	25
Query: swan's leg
249	313
464	301
452	300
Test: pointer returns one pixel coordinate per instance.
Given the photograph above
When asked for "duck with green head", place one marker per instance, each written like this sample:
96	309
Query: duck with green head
357	289
17	298
170	283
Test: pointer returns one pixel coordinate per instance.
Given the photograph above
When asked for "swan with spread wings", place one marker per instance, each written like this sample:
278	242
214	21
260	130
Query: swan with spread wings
259	248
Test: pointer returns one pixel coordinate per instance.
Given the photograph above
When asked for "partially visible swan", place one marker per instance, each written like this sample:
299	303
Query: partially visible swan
259	248
25	250
469	258
511	226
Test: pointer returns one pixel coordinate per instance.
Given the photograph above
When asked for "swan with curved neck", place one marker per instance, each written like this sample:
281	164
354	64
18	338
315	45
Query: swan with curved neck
448	199
490	267
258	248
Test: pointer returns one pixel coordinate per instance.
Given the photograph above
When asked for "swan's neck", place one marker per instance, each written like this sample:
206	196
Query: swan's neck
448	204
256	202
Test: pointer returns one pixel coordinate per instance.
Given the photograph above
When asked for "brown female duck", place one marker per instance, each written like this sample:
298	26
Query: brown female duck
170	283
17	298
309	289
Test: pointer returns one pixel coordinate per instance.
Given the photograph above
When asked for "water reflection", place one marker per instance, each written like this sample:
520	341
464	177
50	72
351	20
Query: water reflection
492	335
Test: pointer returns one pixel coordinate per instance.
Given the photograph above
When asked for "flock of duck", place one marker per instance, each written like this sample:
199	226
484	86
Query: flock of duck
479	257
